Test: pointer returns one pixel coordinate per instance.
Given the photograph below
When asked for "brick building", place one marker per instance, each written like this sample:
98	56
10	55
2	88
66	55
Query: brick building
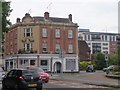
84	54
47	42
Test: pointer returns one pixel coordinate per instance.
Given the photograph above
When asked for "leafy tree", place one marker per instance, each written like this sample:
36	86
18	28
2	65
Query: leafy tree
119	52
6	10
100	62
113	60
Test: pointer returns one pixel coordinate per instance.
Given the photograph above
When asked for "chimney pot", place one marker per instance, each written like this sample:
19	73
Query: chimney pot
18	20
70	17
27	14
46	15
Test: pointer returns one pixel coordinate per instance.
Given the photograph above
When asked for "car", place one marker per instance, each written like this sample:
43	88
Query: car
2	73
110	68
42	73
21	78
90	68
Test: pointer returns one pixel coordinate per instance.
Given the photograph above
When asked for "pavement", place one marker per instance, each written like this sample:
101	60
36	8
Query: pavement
97	78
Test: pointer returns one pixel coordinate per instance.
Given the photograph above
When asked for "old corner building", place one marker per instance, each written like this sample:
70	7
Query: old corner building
47	42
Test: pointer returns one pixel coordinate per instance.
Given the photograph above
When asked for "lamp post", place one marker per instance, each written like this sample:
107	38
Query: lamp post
51	65
51	62
17	62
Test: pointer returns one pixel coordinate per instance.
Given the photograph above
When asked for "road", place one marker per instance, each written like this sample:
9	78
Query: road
67	84
97	77
53	84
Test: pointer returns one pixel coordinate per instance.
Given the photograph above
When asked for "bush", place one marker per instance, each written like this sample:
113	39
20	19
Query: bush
116	68
116	73
84	64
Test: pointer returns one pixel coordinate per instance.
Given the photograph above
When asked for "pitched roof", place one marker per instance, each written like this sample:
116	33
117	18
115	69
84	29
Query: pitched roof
52	19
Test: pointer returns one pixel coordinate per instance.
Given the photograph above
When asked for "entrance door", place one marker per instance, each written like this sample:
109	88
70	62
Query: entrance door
57	67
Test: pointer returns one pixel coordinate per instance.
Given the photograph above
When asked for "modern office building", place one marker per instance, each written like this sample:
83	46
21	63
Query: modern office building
99	42
47	42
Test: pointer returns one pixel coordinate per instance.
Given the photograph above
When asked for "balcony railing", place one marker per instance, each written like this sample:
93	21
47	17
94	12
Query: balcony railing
22	51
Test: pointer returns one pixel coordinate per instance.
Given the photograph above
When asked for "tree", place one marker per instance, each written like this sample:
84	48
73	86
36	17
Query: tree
100	62
113	60
6	10
119	52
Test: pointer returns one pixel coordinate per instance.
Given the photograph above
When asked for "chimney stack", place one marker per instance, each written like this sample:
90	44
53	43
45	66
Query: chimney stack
17	20
27	15
70	17
46	15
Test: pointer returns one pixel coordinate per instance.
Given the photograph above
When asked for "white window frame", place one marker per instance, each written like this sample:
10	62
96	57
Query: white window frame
44	32
57	47
26	31
70	34
57	33
29	46
70	48
44	45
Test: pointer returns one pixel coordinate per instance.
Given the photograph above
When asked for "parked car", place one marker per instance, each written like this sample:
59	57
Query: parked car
42	73
90	68
110	68
21	78
2	73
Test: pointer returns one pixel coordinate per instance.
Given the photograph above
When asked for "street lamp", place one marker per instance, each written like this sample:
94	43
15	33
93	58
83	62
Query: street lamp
51	65
51	62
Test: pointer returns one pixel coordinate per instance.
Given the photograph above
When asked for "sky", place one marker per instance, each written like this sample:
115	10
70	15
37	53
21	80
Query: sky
96	15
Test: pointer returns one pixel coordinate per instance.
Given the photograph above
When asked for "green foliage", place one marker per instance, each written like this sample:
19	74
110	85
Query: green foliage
119	53
116	68
5	13
84	64
4	22
100	62
113	60
116	73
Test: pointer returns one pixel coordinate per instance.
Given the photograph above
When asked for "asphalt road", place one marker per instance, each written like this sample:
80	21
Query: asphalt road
97	77
61	85
74	84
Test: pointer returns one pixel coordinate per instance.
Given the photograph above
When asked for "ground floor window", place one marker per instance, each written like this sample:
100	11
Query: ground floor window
44	62
23	62
32	62
70	64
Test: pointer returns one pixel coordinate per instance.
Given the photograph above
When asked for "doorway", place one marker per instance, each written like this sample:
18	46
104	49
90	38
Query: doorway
57	67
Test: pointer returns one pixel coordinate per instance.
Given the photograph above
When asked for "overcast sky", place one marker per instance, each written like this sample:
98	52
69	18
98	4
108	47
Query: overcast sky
96	15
